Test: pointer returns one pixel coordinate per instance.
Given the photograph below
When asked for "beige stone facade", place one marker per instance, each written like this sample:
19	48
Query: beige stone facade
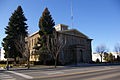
33	40
76	50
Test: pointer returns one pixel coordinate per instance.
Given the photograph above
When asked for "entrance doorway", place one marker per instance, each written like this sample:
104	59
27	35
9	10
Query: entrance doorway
81	55
78	55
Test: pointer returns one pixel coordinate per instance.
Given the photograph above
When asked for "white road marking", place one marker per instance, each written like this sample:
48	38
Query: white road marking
6	77
22	75
9	79
55	73
52	72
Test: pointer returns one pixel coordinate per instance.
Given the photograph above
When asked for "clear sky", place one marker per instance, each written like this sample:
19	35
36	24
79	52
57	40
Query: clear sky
98	19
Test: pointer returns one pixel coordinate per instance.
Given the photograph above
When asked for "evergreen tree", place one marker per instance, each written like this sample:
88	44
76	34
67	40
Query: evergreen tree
46	25
16	27
118	58
109	57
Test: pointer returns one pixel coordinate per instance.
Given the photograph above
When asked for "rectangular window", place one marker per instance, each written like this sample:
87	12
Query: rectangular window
32	42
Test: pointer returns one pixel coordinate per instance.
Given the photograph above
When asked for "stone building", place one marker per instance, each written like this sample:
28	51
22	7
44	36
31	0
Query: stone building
2	58
96	56
77	48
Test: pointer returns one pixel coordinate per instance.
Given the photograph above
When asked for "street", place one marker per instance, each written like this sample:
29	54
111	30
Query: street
64	73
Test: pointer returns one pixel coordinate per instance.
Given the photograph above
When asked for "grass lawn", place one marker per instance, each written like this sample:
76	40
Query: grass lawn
2	65
22	66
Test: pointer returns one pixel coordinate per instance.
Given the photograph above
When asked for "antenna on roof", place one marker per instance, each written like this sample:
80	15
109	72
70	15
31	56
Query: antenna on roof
71	15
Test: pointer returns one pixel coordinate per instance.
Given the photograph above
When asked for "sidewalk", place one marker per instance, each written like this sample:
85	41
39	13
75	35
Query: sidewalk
88	65
40	68
62	71
49	68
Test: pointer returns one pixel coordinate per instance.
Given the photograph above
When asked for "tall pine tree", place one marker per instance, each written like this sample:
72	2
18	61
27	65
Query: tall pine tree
16	27
46	25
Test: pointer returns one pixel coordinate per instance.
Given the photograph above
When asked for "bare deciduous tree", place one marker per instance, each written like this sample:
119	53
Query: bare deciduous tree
55	44
23	46
20	44
117	48
101	50
27	51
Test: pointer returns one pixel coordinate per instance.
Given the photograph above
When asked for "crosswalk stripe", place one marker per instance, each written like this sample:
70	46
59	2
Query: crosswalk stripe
6	77
22	75
9	79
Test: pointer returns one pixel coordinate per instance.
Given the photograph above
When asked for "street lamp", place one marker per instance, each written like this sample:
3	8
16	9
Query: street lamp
7	65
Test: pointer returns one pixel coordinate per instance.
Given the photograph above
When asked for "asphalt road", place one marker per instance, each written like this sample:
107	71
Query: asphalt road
67	73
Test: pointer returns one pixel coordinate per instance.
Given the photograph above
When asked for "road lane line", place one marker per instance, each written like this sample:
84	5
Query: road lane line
69	74
22	75
96	74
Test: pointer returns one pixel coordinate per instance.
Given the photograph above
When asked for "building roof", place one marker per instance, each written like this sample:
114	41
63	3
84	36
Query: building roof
76	32
34	33
62	25
73	32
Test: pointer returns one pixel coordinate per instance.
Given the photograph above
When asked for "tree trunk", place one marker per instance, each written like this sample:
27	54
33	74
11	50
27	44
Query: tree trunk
7	65
101	58
44	62
15	61
55	63
28	64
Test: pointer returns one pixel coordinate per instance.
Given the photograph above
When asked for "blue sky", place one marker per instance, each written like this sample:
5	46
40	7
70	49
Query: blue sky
98	19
